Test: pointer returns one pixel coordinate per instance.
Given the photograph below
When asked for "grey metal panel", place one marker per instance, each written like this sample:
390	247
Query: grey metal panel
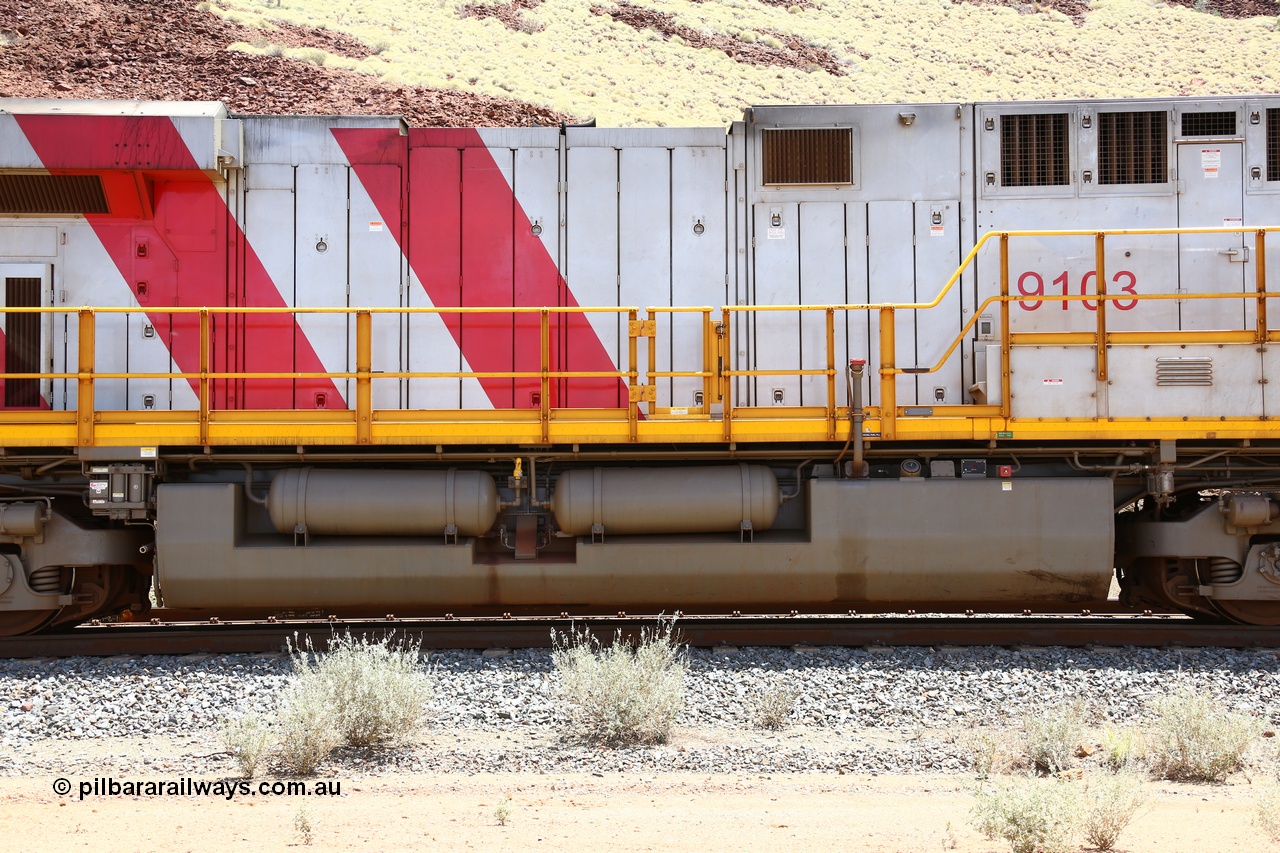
1236	376
377	281
147	353
591	245
822	278
644	253
857	329
536	184
321	276
516	138
1055	538
699	270
28	241
44	272
937	228
775	335
15	151
891	278
302	139
432	347
1212	197
740	258
643	137
1047	382
269	227
269	176
89	276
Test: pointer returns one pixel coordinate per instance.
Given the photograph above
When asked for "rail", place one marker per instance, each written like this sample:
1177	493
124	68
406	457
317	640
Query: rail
716	418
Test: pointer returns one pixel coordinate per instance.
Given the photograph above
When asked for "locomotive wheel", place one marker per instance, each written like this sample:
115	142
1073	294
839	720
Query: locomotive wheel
1262	613
15	623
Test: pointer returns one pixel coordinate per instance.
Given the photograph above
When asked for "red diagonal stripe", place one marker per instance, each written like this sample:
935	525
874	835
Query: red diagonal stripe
191	243
469	242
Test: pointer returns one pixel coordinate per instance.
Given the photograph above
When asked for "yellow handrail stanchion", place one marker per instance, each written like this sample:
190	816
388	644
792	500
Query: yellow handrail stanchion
84	380
364	381
206	347
1006	410
888	375
1100	279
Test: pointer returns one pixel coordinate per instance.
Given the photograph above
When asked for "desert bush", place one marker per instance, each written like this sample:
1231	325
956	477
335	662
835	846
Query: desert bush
774	703
1195	738
248	739
308	726
1120	748
1033	815
1110	803
376	688
502	812
1266	815
989	752
1051	735
621	694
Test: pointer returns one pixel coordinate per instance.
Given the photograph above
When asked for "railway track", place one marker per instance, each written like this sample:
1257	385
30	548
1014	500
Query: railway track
230	637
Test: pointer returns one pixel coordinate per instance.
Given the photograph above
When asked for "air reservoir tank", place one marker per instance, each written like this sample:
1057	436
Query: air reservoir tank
382	503
709	499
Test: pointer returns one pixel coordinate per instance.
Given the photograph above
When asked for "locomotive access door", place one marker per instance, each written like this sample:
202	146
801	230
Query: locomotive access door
25	338
1210	196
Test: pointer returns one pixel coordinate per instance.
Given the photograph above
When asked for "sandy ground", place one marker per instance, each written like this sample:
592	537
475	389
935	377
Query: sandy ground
582	812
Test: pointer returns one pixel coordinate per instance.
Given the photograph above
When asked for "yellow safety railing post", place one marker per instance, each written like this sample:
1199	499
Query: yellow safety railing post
888	375
1260	271
206	352
364	379
724	360
709	349
1006	410
1100	279
831	374
544	388
84	380
633	374
651	354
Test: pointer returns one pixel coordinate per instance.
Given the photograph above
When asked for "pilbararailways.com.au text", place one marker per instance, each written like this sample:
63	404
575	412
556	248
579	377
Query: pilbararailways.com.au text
228	789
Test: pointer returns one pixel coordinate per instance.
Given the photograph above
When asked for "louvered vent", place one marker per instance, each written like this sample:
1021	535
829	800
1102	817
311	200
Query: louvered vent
1184	371
21	342
1033	150
1133	148
808	156
1209	124
52	195
1273	145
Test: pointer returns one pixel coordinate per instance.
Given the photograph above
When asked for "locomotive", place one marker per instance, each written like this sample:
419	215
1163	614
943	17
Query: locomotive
954	355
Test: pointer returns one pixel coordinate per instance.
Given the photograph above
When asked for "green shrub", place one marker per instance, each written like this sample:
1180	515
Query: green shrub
308	726
1110	802
1051	736
1033	815
377	688
621	694
1196	739
774	705
248	739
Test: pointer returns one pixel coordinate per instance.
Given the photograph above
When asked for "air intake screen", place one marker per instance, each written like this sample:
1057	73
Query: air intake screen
21	342
52	195
1209	124
1033	150
1133	148
1273	145
808	156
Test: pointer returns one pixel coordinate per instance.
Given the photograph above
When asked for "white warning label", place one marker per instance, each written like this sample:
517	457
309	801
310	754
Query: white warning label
1211	161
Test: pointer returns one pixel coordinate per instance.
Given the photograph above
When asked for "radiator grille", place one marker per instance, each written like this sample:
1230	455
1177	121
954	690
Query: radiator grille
1133	148
53	195
1209	124
808	156
1033	150
1273	145
1188	370
21	342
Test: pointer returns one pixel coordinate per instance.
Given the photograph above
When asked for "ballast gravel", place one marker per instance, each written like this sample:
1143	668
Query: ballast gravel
879	709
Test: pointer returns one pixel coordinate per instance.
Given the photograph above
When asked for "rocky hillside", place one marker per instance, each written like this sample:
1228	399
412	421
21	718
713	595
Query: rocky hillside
516	62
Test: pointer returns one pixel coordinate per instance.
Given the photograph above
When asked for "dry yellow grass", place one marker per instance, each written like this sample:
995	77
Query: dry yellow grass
891	50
